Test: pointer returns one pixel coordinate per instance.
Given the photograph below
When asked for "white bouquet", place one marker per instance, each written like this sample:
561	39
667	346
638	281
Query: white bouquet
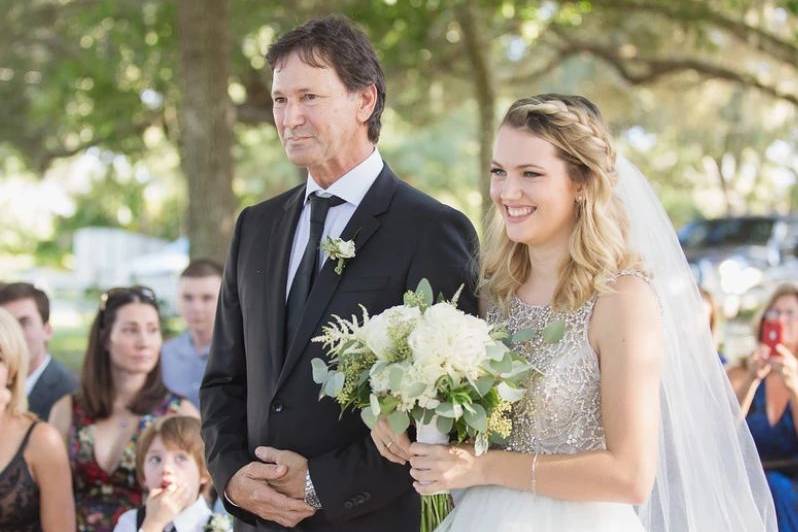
451	373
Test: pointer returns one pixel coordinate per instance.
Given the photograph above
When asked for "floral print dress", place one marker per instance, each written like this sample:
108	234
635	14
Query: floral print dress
101	497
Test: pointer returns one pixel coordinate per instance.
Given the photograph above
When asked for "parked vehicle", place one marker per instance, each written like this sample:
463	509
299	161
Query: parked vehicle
739	259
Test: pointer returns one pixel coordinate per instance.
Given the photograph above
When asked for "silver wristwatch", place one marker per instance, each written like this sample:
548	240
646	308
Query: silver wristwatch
311	499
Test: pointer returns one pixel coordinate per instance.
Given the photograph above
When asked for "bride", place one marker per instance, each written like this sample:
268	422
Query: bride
631	426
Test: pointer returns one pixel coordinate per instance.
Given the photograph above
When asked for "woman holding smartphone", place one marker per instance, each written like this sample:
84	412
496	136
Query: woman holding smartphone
766	385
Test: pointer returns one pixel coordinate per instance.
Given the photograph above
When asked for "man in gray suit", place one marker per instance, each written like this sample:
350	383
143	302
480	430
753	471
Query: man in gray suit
48	380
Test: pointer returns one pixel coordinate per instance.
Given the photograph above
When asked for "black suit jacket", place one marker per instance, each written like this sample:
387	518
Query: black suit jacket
257	390
55	382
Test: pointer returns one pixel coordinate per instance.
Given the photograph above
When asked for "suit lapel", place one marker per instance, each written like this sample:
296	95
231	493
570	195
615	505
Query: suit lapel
363	224
280	244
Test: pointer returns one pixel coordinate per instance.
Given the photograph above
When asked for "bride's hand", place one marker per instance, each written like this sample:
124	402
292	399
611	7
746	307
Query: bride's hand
439	468
392	446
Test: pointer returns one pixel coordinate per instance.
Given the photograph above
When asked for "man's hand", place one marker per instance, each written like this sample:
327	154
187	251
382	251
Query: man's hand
249	488
292	483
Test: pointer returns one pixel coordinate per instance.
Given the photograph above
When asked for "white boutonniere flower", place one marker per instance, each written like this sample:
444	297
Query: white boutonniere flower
219	523
338	250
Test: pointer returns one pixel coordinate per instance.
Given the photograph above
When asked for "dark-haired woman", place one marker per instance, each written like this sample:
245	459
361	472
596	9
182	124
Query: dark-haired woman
121	392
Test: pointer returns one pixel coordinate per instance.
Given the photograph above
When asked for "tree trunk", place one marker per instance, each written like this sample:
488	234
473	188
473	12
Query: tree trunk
206	124
478	52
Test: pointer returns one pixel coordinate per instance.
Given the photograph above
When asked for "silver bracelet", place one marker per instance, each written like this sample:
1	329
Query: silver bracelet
534	472
311	498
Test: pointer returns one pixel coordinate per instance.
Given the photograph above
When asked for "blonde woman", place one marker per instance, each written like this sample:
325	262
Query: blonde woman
35	481
609	436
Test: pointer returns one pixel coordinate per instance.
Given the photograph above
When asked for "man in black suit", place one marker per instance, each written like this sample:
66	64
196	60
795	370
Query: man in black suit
48	380
281	457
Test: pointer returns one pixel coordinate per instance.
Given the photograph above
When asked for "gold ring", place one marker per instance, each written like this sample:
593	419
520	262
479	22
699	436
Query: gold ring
388	445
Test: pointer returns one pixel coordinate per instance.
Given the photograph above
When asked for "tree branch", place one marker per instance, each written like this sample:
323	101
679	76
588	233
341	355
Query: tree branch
758	38
640	70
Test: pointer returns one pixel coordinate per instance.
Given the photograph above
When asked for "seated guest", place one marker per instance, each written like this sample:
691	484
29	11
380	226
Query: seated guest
766	385
184	357
120	394
35	481
47	380
170	463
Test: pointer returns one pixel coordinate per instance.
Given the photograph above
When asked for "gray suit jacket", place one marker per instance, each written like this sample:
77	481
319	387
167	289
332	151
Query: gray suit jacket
55	382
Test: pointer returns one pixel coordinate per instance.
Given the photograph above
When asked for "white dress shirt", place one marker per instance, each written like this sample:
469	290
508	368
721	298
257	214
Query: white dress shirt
192	519
33	378
351	188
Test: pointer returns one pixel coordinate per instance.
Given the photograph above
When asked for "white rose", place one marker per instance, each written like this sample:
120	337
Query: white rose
381	332
448	341
346	249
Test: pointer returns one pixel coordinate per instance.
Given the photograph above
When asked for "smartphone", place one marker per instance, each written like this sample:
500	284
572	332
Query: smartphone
771	334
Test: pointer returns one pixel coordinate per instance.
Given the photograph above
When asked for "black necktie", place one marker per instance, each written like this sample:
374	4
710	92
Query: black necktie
308	266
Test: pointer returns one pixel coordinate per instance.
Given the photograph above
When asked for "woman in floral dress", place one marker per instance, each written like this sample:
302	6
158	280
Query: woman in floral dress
121	393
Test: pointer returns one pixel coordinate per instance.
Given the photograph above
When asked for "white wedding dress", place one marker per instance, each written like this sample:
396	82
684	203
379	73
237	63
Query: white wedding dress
560	414
709	477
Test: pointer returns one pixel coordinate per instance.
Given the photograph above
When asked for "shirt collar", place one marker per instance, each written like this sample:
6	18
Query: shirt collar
194	517
32	379
353	185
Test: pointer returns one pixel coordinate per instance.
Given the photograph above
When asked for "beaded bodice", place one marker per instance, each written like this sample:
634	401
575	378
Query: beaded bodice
561	410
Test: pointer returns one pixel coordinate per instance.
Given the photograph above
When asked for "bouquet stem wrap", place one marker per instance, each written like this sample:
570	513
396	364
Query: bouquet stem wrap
434	508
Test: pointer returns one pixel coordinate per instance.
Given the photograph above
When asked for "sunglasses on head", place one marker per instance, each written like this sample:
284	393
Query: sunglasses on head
144	293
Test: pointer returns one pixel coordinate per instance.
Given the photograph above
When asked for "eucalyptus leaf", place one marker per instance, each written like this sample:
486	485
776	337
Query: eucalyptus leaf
445	410
477	417
424	292
484	384
444	424
428	415
368	417
388	404
508	393
395	376
374	405
524	335
320	370
553	332
496	350
399	421
417	414
335	384
416	389
504	365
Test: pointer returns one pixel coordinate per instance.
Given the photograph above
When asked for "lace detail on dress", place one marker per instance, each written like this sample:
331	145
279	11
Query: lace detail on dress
560	412
19	494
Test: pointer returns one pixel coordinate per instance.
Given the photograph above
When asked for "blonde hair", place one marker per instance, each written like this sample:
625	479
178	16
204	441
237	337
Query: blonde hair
14	354
597	248
182	432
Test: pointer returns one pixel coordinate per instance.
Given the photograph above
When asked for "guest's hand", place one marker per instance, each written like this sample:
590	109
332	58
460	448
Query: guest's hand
439	468
163	505
292	484
758	363
785	366
249	488
392	446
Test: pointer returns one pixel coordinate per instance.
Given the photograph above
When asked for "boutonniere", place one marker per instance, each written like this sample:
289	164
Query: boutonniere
219	523
339	250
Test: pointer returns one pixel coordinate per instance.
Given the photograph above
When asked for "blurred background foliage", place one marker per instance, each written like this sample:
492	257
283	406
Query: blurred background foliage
103	121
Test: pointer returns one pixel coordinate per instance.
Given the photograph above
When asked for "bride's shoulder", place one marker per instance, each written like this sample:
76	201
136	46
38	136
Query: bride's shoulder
631	298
